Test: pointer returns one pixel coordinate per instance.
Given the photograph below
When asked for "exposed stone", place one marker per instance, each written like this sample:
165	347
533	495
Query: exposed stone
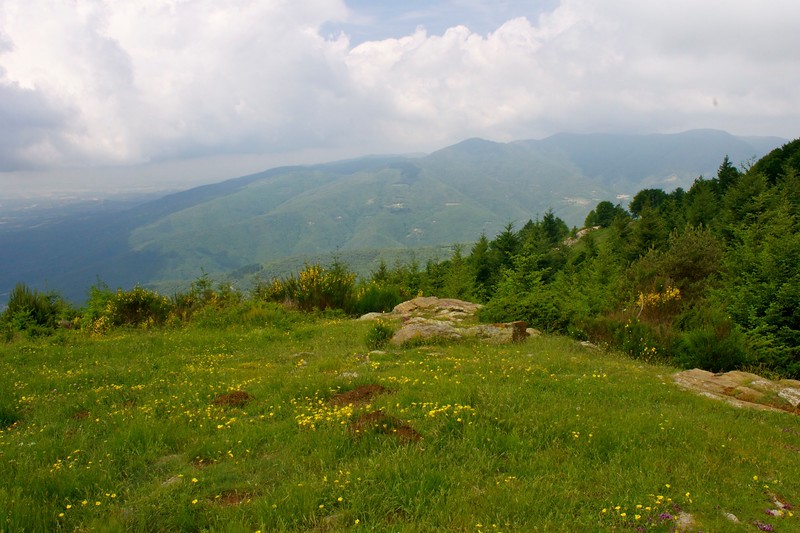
500	333
791	395
685	522
437	304
417	329
571	241
430	318
742	389
372	316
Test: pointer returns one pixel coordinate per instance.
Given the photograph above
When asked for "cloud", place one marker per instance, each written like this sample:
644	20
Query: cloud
30	128
100	82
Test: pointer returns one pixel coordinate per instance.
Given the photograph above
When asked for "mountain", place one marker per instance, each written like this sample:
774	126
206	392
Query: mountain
357	208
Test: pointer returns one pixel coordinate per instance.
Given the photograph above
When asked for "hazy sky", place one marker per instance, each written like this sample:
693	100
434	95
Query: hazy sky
119	93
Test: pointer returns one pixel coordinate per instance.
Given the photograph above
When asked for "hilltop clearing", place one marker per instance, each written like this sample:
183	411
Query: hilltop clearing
263	419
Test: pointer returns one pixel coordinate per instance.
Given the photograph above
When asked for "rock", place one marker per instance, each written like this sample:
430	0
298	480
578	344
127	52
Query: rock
500	333
571	241
791	395
685	522
437	305
372	316
418	328
741	389
428	318
731	517
422	329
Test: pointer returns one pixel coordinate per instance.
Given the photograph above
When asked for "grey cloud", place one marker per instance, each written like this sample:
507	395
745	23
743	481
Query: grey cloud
139	81
28	123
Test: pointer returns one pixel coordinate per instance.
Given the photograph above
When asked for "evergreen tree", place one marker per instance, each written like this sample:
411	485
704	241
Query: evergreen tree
727	175
652	198
482	267
702	203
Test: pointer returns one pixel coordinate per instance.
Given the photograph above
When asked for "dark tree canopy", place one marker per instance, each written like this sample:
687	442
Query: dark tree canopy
647	197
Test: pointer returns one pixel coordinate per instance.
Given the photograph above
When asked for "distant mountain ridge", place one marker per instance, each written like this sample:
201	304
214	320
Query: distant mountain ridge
371	203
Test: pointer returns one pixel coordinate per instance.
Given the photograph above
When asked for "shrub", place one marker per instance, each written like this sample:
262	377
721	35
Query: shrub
525	297
645	341
32	311
202	294
136	307
376	298
711	341
315	287
379	335
717	348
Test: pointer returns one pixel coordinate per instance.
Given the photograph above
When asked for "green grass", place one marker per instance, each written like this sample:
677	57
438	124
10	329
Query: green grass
122	433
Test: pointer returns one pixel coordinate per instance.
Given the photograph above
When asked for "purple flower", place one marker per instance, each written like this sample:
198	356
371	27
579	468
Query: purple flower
762	526
665	516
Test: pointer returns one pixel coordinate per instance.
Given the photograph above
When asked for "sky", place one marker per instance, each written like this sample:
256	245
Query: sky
128	94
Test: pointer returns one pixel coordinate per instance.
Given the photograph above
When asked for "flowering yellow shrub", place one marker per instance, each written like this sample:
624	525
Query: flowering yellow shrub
658	299
315	287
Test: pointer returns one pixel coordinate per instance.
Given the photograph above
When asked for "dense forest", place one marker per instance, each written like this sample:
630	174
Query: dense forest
703	278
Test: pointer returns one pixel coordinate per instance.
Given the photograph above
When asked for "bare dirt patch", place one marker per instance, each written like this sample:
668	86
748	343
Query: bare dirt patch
202	462
237	398
382	423
361	394
233	497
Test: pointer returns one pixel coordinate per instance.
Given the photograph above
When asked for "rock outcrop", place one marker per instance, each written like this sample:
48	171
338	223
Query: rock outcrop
429	318
743	389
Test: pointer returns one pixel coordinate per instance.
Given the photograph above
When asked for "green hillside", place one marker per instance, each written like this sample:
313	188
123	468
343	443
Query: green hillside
284	215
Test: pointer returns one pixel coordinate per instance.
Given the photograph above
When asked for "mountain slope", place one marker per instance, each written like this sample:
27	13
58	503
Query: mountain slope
449	196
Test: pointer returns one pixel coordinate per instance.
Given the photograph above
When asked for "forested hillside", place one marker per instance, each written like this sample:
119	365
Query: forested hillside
706	277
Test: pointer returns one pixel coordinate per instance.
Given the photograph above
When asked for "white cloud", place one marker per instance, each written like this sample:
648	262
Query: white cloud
97	82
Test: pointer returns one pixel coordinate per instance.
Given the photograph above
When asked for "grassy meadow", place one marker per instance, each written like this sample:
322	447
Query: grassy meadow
236	423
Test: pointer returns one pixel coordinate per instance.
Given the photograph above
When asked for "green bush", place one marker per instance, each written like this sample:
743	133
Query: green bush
648	342
202	294
710	340
375	298
314	288
379	335
32	311
525	297
137	307
716	348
